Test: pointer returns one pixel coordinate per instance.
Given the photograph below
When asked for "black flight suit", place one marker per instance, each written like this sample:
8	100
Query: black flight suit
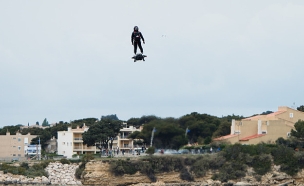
135	39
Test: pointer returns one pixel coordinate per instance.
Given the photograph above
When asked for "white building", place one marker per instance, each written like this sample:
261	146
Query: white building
70	142
122	141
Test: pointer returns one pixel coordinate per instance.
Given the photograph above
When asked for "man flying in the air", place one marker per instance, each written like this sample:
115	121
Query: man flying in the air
135	39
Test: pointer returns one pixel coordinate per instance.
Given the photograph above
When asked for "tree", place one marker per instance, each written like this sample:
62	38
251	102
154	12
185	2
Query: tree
299	130
103	133
223	129
87	121
33	131
111	117
58	127
134	122
45	123
43	137
301	108
267	112
136	135
11	129
168	134
147	119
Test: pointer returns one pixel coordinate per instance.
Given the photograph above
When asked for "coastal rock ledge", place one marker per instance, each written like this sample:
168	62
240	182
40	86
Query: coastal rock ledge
59	174
98	173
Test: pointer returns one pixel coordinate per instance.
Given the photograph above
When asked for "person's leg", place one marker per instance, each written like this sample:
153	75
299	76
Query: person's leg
135	47
140	47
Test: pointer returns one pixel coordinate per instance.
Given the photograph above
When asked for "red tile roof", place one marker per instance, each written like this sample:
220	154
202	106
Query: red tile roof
252	137
267	116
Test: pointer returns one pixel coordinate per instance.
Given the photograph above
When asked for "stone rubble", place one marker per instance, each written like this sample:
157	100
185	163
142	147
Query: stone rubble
62	173
59	174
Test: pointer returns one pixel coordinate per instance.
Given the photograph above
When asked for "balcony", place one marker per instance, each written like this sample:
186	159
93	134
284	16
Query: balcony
79	148
78	140
124	137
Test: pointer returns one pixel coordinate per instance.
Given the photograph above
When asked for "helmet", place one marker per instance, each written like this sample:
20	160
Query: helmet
136	28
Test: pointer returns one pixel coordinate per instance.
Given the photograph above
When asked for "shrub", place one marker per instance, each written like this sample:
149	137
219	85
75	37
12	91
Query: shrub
190	160
80	170
149	171
262	164
281	154
150	150
87	157
200	167
230	171
231	152
300	158
185	175
121	167
34	171
64	161
24	165
216	161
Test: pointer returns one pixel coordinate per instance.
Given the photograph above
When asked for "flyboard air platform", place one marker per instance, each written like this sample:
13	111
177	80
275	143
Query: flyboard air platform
139	57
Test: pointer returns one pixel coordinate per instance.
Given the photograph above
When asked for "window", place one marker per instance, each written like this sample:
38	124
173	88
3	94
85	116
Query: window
19	148
237	132
19	155
291	115
19	139
288	134
264	132
63	143
14	154
25	141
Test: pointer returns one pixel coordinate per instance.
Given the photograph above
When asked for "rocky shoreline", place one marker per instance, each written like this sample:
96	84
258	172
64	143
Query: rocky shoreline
97	173
63	174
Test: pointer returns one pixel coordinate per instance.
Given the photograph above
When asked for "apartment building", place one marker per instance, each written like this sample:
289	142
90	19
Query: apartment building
15	147
122	141
70	142
263	128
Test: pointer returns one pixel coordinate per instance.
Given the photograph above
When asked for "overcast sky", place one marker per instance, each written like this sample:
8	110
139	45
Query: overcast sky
68	60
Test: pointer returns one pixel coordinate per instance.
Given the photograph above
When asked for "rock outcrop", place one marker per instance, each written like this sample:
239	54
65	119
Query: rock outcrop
98	173
62	174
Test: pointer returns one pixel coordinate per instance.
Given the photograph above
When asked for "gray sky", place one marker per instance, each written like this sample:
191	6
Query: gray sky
67	60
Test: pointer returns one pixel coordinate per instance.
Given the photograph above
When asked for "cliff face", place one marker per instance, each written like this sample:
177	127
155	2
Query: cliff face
98	173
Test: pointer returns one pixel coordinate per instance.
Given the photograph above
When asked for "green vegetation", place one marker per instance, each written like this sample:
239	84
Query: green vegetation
170	132
104	132
80	170
150	150
64	161
26	170
231	163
